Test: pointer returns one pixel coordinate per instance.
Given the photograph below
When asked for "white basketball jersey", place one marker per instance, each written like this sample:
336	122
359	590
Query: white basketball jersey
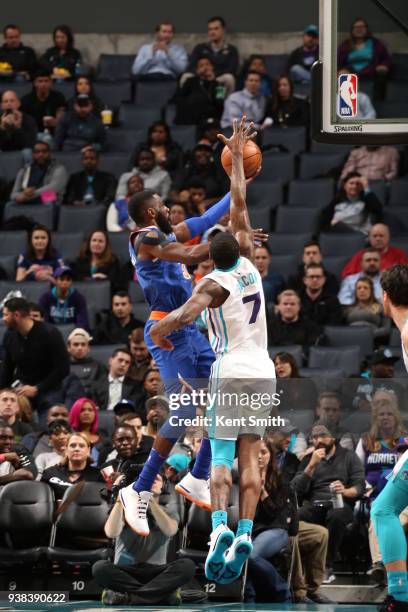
240	323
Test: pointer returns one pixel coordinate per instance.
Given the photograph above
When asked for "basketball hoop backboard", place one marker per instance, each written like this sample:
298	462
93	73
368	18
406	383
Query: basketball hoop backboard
339	99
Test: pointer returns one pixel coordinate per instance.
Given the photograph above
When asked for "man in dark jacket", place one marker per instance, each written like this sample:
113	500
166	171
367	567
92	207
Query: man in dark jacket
43	103
17	130
288	327
35	355
15	462
116	385
22	59
91	185
200	96
313	254
83	365
317	303
64	304
303	57
80	128
114	327
329	480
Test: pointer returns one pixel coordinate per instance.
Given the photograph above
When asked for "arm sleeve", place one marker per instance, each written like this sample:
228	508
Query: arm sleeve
8	365
57	349
60	132
69	196
198	225
301	482
44	302
356	474
112	218
17	187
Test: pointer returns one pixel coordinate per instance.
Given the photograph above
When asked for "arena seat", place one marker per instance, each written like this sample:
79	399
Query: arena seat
114	67
277	167
284	264
141	310
296	350
10	164
123	141
136	293
65	329
102	352
13	242
67	88
397	90
390	110
26	514
113	94
89	218
185	136
292	138
120	245
303	419
344	358
325	379
317	165
154	94
265	193
107	422
40	213
276	64
97	293
379	188
31	290
115	163
395	337
398	192
295	220
260	217
8	263
335	264
287	244
396	217
343	335
68	245
357	423
323	147
135	118
315	193
341	244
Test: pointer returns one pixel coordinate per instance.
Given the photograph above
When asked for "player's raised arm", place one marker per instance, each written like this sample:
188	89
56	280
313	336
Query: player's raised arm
239	218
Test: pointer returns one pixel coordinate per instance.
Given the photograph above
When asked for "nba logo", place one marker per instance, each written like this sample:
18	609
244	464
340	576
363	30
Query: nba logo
347	95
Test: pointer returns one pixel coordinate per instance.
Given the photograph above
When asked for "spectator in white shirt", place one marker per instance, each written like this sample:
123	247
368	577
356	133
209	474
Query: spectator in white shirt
161	60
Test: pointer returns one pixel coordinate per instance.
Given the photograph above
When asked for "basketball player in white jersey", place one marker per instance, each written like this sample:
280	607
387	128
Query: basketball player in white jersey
393	498
233	301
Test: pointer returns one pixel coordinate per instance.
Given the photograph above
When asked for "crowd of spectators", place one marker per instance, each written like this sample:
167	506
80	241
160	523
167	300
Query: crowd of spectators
67	416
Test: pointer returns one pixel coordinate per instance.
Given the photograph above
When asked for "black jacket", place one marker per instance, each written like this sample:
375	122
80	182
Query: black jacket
73	133
283	514
103	185
131	390
88	370
38	109
22	59
289	113
297	58
373	210
225	61
15	139
57	476
174	156
81	268
325	310
133	466
52	58
296	281
197	100
302	331
108	330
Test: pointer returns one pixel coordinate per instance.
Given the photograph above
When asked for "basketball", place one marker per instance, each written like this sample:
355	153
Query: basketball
252	159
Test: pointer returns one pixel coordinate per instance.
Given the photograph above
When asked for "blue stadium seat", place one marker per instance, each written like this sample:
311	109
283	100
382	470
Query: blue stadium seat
294	349
96	293
284	264
296	220
154	94
12	242
277	167
8	263
276	64
31	290
399	192
40	213
341	244
123	141
335	264
265	194
135	118
10	164
260	217
293	138
315	165
399	66
114	67
361	335
287	244
68	245
316	193
344	358
72	218
120	245
113	94
185	136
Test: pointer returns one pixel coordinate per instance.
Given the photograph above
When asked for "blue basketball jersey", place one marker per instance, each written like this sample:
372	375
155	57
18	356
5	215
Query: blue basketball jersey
166	285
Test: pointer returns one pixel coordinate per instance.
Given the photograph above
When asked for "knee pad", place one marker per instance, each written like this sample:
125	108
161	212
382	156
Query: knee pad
223	452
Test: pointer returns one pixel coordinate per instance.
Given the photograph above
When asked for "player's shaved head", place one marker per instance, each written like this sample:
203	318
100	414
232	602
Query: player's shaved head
224	251
139	203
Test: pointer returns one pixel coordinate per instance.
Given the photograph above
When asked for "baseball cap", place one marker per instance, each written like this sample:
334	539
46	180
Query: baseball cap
178	461
63	270
312	30
381	355
124	406
157	399
79	331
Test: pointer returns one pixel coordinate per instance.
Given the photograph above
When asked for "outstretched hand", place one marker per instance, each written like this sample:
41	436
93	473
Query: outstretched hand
240	135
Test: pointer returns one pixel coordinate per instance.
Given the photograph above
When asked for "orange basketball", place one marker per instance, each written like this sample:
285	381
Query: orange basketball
252	159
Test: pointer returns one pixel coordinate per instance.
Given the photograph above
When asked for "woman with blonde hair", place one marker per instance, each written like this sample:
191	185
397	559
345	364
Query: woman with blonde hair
73	467
367	310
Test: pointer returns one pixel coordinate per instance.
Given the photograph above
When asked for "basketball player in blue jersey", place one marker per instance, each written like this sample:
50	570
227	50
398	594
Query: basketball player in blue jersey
160	261
234	304
393	498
